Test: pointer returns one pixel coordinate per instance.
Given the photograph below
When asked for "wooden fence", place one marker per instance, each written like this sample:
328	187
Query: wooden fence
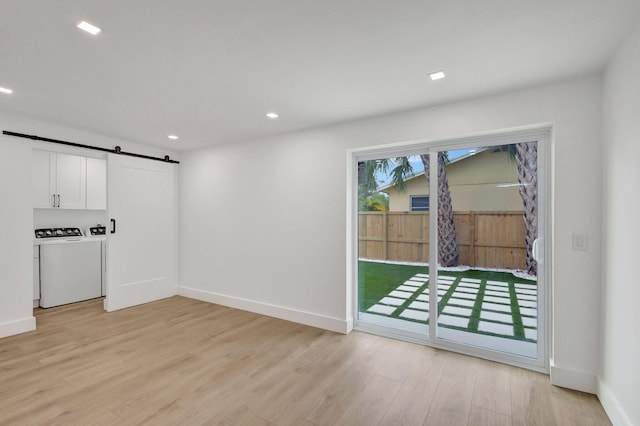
485	239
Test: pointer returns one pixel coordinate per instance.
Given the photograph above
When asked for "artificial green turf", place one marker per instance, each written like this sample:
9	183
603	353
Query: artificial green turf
377	280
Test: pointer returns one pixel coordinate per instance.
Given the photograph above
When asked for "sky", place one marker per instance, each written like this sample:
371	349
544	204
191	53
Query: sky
384	178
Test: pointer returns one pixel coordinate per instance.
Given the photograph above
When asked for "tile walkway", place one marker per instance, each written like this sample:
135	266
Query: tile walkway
497	308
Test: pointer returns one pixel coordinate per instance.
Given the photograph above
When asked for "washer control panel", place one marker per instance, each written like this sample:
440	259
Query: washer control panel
58	233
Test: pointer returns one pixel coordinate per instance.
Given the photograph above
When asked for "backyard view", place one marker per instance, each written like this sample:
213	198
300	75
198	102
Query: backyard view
484	302
487	224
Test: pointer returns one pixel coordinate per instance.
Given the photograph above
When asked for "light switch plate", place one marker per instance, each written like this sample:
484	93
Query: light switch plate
580	242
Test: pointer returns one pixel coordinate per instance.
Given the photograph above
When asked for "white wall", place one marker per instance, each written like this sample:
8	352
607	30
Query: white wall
16	247
53	218
619	386
263	223
17	215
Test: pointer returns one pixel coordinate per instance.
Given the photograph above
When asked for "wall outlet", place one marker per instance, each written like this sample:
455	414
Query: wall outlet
580	242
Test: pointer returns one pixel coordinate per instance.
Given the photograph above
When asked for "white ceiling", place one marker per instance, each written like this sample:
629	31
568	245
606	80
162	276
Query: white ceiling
208	70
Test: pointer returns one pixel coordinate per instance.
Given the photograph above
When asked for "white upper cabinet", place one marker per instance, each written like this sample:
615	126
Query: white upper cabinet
60	181
96	184
44	188
71	181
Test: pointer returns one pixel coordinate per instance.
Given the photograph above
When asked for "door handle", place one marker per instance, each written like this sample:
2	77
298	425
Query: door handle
113	226
535	250
58	200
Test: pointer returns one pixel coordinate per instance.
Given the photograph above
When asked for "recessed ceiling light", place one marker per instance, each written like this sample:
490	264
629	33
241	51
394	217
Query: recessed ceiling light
437	75
5	90
91	29
272	115
174	137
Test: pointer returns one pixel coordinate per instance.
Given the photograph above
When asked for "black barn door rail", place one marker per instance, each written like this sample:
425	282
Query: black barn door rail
116	150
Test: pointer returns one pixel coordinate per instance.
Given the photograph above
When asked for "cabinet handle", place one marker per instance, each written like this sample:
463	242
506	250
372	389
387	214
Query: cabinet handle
58	200
113	226
54	200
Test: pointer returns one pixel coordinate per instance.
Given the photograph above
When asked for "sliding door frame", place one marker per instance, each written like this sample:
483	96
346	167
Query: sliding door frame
543	135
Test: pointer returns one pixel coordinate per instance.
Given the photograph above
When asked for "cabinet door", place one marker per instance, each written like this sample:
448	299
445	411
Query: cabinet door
71	182
43	179
96	184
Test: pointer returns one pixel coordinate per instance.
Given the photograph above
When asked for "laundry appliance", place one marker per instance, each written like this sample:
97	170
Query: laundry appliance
70	266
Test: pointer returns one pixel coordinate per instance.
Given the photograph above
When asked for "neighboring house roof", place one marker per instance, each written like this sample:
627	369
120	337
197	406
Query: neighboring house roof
455	160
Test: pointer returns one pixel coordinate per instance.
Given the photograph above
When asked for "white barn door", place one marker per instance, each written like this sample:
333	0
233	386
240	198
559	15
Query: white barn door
141	233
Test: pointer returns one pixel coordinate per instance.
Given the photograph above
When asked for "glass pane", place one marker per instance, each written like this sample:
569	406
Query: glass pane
393	244
487	225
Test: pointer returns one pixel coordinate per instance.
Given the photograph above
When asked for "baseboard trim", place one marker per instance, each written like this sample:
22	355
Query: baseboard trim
302	317
137	298
17	327
571	379
612	406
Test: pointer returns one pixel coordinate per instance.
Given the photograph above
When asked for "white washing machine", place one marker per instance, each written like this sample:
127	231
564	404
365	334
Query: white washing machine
70	266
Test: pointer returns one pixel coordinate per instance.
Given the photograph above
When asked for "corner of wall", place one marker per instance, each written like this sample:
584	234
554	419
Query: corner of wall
612	406
616	388
17	327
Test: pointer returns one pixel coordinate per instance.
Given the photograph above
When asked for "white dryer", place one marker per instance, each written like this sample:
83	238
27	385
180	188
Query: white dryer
70	266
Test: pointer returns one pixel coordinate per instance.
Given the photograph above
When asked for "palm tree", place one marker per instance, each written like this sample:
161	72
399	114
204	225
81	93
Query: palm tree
526	156
447	236
367	183
448	245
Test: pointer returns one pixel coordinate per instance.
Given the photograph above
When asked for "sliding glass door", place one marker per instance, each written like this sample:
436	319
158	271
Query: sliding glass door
487	231
450	245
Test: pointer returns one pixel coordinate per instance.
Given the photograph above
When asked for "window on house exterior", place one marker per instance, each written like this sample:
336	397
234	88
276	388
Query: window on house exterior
419	203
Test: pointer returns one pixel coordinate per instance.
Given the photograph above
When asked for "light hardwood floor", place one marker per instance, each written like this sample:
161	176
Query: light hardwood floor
181	362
